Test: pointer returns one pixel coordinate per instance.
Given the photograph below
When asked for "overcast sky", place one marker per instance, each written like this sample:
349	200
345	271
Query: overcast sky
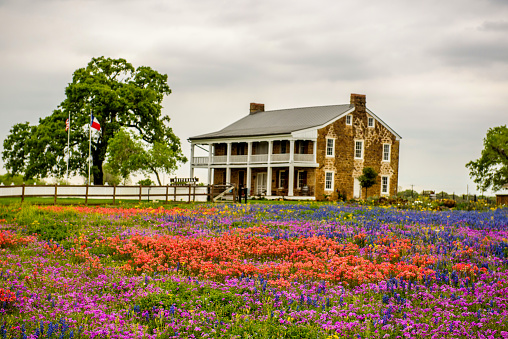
435	71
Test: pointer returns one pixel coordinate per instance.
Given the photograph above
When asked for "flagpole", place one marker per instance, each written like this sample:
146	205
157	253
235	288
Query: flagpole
68	142
89	144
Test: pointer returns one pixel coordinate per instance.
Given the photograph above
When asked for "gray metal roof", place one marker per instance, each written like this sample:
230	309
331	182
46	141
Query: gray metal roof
283	121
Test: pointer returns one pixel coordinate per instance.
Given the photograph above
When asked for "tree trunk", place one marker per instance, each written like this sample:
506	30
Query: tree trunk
158	179
98	156
98	174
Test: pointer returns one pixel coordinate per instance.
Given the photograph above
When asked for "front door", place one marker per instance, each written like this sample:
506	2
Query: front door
356	189
261	183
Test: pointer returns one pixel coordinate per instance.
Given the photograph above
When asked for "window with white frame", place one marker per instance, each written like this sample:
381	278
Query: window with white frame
359	149
385	185
349	119
328	181
386	152
370	121
282	178
330	147
301	180
301	147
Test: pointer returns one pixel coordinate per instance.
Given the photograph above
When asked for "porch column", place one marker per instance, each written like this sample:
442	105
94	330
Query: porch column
210	153
249	179
228	153
291	183
270	150
192	160
249	151
269	180
291	151
314	144
269	169
210	164
228	175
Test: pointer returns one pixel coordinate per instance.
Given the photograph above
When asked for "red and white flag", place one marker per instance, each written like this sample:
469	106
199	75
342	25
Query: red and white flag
94	123
67	125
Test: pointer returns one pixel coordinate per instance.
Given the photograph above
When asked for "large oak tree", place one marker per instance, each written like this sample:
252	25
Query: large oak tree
118	95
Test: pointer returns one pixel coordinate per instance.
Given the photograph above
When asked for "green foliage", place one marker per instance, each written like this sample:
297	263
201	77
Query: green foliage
368	178
491	169
407	194
128	154
48	225
9	179
109	177
118	95
145	182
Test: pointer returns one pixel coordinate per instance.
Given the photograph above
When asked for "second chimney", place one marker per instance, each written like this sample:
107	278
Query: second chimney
359	101
256	108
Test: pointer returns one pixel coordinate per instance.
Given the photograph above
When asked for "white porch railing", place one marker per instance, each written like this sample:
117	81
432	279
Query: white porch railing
259	158
200	160
238	159
219	159
304	157
280	157
254	159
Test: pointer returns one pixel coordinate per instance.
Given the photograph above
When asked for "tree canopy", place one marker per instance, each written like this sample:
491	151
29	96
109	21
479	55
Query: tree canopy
128	154
118	95
491	169
368	178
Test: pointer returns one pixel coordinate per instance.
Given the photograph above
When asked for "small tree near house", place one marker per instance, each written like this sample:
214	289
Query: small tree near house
367	179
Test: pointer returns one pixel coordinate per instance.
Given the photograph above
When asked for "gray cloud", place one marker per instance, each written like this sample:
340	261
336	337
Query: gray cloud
498	26
430	69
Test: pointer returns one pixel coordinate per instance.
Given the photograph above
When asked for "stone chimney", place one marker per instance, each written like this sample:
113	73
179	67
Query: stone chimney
256	108
359	101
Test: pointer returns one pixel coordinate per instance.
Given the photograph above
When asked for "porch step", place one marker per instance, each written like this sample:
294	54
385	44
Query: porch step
229	189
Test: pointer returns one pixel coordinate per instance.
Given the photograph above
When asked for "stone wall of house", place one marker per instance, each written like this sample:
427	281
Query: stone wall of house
219	176
344	166
220	149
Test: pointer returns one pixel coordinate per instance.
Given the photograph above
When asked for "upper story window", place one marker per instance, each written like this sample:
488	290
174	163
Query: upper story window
283	147
359	149
349	119
330	147
301	147
385	185
386	152
370	122
328	181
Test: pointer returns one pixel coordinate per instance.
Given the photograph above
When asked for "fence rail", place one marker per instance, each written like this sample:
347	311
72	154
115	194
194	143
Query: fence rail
176	193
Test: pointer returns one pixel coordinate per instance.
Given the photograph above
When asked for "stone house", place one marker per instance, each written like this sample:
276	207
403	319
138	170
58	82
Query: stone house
311	153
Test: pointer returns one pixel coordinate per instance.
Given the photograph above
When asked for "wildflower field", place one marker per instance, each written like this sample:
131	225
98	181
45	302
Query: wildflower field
253	271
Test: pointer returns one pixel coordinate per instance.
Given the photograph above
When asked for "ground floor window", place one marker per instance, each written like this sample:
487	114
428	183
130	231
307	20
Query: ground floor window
301	180
329	181
385	185
283	178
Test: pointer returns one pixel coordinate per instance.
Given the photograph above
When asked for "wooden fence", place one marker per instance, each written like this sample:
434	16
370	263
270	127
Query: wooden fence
183	193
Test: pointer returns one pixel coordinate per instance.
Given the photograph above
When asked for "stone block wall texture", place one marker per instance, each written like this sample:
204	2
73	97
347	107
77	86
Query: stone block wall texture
344	166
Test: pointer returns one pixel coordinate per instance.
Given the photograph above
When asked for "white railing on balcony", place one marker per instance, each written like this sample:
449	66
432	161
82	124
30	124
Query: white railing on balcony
255	158
238	159
200	161
219	159
259	158
304	157
280	157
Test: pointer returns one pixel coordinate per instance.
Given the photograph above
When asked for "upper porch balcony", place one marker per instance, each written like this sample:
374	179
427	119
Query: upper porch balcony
254	159
258	153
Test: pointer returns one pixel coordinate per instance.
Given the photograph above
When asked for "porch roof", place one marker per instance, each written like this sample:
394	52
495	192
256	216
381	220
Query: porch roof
276	122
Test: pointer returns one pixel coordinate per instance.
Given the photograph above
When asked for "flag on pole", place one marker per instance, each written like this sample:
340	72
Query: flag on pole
94	123
67	125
